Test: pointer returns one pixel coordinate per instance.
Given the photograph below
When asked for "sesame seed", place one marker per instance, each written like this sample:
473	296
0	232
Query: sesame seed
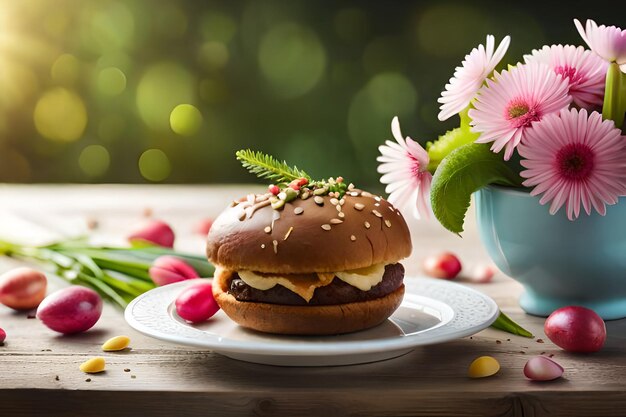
390	208
377	204
298	210
366	194
350	186
262	245
319	200
377	198
354	194
334	201
338	207
352	238
267	229
305	195
359	206
341	214
288	233
387	223
367	225
326	226
336	221
233	203
242	215
275	243
376	213
342	201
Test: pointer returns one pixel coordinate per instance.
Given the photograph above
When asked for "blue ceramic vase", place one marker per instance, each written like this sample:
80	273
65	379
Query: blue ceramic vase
559	262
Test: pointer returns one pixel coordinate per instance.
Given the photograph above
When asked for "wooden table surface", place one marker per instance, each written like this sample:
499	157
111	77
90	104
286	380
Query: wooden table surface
39	369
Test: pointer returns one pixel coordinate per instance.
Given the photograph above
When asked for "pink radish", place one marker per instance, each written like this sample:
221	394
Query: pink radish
22	288
73	309
196	303
576	329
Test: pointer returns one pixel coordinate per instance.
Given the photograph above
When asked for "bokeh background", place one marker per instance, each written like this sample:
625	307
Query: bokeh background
133	91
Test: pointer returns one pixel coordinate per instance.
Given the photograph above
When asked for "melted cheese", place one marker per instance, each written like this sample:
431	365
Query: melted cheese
363	278
305	285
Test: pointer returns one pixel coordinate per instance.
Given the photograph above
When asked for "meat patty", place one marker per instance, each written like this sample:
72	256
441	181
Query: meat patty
337	292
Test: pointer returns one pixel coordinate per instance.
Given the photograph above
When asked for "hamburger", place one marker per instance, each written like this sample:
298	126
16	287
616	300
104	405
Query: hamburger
309	258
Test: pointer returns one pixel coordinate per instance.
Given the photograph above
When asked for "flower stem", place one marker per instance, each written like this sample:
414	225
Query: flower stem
614	106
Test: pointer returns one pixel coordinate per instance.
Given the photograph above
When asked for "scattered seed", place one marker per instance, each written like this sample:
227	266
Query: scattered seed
319	200
359	206
366	194
336	221
542	353
334	201
275	243
351	186
498	342
133	376
31	315
551	355
298	210
326	226
376	213
88	380
242	215
267	229
540	341
288	233
377	204
305	195
390	208
522	352
342	201
56	378
116	343
387	223
341	214
367	225
338	207
321	191
354	194
508	340
262	245
352	238
126	370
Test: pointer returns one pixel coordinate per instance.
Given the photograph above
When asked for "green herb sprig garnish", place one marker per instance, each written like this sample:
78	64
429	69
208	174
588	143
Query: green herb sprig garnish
287	179
267	167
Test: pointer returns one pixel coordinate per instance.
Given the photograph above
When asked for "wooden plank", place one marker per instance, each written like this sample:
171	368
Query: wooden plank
166	379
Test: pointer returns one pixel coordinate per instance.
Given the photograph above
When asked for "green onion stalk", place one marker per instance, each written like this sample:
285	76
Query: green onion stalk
118	274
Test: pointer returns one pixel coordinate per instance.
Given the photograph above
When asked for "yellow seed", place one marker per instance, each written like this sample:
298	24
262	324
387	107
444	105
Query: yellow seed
93	365
483	366
116	343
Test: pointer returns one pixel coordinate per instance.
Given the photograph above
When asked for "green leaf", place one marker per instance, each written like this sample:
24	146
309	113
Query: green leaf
505	323
614	105
267	167
464	171
446	143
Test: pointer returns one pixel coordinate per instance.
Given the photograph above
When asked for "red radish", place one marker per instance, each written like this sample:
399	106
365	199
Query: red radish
196	303
71	310
203	226
444	265
576	329
22	288
541	368
3	336
169	269
154	231
481	273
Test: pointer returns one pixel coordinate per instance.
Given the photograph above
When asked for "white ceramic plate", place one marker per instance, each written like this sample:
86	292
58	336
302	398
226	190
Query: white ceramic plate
433	311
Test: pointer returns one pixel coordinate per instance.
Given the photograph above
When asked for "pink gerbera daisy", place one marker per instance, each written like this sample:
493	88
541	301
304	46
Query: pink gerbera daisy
510	103
609	42
468	78
585	71
573	159
404	164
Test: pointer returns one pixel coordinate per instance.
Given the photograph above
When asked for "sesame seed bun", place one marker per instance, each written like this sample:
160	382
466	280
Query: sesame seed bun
305	320
317	234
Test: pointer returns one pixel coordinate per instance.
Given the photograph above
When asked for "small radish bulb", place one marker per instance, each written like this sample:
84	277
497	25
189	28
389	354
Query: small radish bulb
73	309
481	273
22	288
154	231
444	265
541	368
196	303
576	329
3	336
169	269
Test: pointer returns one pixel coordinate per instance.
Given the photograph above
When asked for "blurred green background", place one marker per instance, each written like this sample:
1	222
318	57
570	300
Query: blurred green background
134	91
